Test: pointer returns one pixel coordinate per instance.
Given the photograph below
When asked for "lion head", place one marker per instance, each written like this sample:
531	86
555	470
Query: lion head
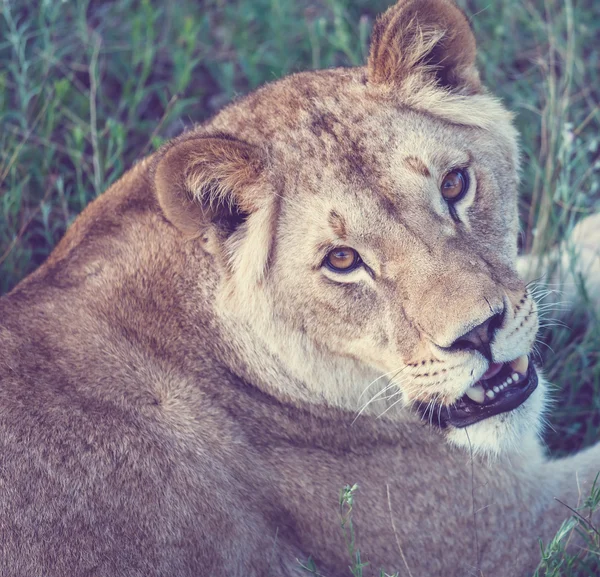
363	223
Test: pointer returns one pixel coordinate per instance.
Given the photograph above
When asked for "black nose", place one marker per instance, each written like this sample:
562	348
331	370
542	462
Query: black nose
480	337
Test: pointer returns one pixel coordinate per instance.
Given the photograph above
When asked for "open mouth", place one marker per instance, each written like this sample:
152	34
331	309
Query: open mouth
502	388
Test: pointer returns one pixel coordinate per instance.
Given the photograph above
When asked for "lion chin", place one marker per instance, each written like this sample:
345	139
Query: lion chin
509	433
499	414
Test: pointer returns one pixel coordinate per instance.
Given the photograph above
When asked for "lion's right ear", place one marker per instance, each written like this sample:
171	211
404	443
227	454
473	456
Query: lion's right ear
205	181
430	40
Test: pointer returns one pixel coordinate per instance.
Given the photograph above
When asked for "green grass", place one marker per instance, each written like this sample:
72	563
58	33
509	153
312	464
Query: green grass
556	560
357	566
87	88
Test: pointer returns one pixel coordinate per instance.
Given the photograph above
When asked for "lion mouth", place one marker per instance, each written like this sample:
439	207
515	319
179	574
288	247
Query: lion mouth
502	388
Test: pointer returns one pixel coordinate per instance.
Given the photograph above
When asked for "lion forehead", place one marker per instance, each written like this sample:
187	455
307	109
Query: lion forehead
339	108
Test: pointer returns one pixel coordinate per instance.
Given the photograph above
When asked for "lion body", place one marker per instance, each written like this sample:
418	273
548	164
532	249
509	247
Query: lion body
121	456
154	422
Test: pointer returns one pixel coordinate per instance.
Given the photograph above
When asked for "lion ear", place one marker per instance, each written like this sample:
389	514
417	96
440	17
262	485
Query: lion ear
427	39
206	181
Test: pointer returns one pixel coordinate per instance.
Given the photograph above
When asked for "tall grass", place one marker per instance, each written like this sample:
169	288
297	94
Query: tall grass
87	88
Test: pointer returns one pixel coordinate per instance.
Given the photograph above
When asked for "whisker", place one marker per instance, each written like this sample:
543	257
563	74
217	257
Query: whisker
392	383
561	306
538	341
392	405
477	559
439	412
379	377
406	386
553	324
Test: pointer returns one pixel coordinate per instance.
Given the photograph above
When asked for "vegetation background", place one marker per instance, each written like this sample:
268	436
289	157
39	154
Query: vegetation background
88	87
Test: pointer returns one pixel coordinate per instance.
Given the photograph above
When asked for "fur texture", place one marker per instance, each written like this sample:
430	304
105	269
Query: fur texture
184	387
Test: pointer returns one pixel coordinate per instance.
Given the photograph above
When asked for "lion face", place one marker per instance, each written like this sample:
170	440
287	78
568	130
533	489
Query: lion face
377	262
365	224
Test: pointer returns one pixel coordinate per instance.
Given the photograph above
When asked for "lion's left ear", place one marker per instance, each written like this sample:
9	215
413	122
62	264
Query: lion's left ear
209	181
430	40
214	188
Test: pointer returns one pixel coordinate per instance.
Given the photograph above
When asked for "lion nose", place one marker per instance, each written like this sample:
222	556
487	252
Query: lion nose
480	337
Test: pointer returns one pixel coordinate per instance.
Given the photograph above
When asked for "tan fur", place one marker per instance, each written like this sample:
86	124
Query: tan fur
184	388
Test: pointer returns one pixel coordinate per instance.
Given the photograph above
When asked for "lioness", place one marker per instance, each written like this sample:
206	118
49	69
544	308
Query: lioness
317	287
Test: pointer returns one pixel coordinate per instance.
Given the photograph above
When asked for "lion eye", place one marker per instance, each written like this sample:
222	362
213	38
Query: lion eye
455	185
343	259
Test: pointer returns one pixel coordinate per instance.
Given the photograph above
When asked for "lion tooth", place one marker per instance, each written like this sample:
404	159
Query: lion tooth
476	393
490	394
520	365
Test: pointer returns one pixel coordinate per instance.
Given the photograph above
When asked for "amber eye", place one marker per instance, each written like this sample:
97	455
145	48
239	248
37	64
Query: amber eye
343	259
455	185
